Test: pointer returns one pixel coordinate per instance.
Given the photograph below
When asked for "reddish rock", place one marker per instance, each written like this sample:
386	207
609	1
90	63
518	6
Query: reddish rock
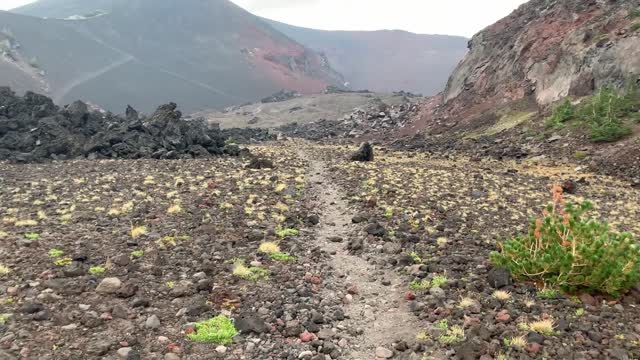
469	321
174	348
307	337
503	316
533	348
410	296
588	300
353	290
569	186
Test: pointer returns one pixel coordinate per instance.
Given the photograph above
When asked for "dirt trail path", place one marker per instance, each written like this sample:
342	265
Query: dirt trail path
380	311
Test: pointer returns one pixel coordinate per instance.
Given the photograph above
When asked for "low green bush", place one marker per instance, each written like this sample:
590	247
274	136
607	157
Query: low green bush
566	249
607	112
607	115
219	330
561	114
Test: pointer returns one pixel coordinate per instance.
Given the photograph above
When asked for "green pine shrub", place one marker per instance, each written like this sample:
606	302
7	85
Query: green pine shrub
561	114
569	250
606	115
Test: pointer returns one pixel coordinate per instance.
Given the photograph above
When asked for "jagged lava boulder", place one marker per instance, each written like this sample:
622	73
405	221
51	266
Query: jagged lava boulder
32	128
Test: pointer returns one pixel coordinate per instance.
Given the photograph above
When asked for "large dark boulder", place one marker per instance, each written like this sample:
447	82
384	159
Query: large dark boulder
365	153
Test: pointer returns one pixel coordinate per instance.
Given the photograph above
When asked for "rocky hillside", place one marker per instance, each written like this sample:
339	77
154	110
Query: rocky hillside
499	99
199	54
541	53
384	61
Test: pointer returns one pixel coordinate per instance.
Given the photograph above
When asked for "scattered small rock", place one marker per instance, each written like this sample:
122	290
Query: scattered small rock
153	322
109	286
384	353
499	278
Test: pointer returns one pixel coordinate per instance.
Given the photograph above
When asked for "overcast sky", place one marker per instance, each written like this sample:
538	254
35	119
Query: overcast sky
451	17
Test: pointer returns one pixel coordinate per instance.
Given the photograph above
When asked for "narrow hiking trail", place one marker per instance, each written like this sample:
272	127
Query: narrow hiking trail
378	311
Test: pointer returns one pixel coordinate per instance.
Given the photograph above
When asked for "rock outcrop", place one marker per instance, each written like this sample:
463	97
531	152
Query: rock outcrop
33	128
375	120
542	52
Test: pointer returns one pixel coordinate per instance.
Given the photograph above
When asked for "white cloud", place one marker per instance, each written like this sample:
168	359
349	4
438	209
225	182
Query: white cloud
11	4
452	17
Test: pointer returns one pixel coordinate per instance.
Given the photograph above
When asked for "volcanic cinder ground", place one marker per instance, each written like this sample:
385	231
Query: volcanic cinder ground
372	242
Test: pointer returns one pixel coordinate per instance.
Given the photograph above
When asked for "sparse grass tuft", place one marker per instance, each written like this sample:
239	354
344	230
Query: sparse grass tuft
416	258
55	253
519	342
4	270
138	231
97	270
466	302
63	262
580	312
269	248
580	155
137	254
442	324
438	281
501	295
4	318
452	336
219	330
528	302
548	294
252	273
282	233
544	327
25	223
420	285
284	257
32	236
422	336
175	209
